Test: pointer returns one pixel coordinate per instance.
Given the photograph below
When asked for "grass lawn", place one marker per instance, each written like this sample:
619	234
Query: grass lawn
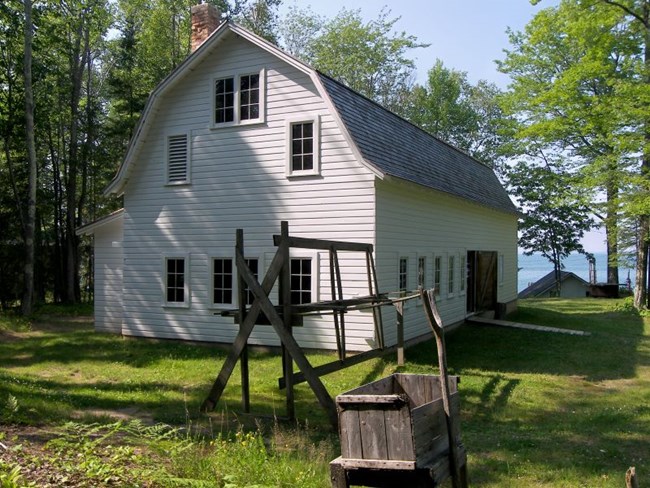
538	409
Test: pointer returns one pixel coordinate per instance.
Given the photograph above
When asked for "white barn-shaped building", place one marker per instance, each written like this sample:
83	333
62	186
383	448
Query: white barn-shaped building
243	135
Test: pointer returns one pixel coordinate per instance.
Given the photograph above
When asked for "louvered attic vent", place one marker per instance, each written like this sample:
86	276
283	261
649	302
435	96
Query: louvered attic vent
177	159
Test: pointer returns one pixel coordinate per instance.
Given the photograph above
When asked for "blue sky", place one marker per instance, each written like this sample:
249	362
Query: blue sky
467	35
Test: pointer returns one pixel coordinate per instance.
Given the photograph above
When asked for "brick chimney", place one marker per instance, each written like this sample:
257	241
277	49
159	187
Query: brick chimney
205	19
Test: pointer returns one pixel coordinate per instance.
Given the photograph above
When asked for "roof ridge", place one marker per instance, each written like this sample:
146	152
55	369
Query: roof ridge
399	117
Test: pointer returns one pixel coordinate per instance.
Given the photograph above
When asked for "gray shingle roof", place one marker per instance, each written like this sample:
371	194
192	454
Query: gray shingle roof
399	148
546	283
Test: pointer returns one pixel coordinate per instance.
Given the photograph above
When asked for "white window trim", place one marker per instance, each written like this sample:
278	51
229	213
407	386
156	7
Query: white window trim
306	118
186	281
237	112
462	273
501	269
451	290
261	271
408	264
435	255
315	271
426	281
188	174
222	306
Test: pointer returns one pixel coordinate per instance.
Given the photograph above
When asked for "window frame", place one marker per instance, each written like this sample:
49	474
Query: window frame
186	281
314	119
422	271
451	275
237	120
315	272
188	159
233	302
462	272
500	269
402	272
437	274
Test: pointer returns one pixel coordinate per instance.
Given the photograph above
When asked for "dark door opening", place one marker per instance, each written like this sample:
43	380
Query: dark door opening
481	281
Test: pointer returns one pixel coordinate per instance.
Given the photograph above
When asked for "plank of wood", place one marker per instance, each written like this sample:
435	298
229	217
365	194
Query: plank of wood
350	434
373	434
324	245
519	325
261	298
377	464
390	400
436	324
399	436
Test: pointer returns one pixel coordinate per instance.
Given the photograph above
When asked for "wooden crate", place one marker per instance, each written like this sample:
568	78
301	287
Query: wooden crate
397	422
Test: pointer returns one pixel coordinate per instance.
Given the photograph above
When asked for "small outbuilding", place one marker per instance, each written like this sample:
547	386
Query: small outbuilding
572	286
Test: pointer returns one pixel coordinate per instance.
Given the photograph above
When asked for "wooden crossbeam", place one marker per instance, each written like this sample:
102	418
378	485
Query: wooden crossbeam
245	329
289	341
323	244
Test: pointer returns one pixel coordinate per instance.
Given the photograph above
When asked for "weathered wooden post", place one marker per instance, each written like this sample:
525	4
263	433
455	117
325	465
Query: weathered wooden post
459	473
630	478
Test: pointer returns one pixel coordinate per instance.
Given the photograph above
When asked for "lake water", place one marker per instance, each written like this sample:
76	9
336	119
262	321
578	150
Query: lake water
532	268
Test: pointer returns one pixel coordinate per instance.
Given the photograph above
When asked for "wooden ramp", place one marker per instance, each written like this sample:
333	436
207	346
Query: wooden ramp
517	325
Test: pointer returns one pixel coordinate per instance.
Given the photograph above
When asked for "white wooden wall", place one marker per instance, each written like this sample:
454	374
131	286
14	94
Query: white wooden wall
238	181
413	221
108	277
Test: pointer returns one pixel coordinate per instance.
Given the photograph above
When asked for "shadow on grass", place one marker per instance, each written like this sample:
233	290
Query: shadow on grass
612	351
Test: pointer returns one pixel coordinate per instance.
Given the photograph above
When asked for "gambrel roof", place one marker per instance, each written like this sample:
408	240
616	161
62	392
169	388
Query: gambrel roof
403	150
387	144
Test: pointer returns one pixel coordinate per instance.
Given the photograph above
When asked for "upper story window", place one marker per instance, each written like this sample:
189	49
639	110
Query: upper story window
224	100
249	97
239	99
178	158
303	143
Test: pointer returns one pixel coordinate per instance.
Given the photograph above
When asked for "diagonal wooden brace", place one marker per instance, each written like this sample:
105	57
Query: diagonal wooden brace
245	328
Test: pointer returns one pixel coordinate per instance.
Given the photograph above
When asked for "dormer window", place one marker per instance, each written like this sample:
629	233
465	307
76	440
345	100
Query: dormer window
239	99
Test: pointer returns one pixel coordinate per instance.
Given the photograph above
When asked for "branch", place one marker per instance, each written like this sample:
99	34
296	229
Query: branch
627	10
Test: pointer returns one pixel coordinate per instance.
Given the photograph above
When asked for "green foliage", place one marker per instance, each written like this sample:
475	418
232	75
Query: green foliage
368	57
555	218
580	91
467	116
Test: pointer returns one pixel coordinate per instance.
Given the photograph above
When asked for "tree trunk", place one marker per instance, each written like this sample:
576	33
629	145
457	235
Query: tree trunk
641	297
30	221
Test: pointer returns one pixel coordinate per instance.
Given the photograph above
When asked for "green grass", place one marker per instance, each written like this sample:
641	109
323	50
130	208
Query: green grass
538	409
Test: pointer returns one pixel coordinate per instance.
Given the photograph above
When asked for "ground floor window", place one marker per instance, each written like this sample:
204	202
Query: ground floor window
402	276
301	280
437	274
222	281
451	275
254	265
176	292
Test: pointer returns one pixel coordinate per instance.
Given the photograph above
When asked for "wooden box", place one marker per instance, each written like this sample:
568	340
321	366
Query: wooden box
398	421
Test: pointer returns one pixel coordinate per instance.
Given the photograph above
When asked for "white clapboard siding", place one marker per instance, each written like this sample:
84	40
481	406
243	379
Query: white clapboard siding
413	222
108	277
238	180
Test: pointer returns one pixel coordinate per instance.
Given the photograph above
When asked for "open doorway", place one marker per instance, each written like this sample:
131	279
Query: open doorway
481	281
